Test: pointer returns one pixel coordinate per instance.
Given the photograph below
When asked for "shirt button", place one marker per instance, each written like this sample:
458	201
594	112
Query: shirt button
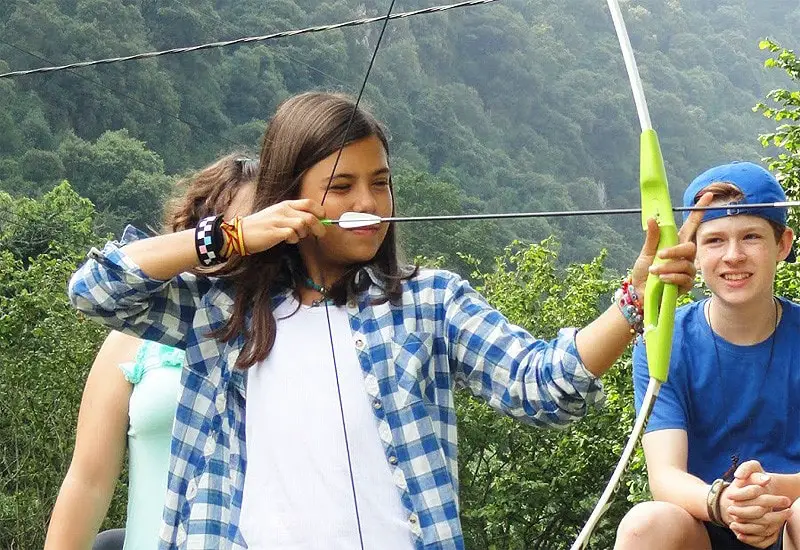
377	404
412	519
208	449
359	343
191	490
220	402
392	460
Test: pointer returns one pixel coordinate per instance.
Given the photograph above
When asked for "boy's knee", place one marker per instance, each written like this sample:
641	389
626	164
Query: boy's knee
639	521
794	519
651	525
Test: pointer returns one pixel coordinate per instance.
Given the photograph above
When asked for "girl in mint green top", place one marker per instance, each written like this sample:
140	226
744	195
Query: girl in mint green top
155	375
133	407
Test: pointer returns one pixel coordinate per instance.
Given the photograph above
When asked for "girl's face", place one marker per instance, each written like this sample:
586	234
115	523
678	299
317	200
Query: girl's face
360	184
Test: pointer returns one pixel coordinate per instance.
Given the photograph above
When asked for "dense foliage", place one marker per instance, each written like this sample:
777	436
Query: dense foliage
522	104
517	105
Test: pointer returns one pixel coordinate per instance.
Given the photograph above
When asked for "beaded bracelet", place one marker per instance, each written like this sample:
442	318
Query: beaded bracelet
630	305
208	240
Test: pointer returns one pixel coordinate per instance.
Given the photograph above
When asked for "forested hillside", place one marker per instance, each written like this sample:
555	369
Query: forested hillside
518	104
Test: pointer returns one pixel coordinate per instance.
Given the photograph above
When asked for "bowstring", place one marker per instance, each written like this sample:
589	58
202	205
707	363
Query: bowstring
322	272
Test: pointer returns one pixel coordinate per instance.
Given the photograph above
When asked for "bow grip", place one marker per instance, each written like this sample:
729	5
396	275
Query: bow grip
660	299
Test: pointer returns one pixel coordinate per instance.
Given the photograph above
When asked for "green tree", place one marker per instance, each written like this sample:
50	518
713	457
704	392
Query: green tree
784	109
532	488
120	175
45	353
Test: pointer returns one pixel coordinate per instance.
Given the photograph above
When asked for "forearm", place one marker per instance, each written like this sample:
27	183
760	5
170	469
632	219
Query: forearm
165	256
682	489
787	485
603	341
113	289
77	515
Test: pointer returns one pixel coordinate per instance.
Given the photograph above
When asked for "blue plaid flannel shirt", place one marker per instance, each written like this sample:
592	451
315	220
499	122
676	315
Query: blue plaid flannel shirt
440	335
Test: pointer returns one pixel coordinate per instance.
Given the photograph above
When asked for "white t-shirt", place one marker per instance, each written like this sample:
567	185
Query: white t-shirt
297	489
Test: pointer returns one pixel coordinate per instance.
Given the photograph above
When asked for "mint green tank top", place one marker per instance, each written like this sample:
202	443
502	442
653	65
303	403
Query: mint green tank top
155	375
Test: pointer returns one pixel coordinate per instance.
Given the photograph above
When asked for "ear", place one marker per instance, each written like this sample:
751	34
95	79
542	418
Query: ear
785	244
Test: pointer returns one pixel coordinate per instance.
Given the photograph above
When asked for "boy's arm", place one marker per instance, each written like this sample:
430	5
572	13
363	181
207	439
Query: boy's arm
667	452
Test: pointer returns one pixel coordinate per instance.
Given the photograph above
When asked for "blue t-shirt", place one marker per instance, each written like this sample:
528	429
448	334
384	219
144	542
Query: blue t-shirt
762	406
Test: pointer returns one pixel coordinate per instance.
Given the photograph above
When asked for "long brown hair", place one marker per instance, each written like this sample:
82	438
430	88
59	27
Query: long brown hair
209	191
306	129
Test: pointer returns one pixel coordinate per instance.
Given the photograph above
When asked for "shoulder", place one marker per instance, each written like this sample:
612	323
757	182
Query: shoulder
688	313
435	279
118	347
791	310
687	323
151	356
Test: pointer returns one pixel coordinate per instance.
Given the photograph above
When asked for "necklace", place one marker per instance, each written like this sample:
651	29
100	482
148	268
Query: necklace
735	457
309	283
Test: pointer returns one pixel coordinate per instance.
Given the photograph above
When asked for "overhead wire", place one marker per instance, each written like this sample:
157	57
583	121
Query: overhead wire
244	40
124	95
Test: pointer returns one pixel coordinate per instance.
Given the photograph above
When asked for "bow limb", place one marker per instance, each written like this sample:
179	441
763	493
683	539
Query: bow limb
660	299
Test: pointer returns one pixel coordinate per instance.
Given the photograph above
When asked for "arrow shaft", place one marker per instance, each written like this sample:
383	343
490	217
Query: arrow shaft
565	213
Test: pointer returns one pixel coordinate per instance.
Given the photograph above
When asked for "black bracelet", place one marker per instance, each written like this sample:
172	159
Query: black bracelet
208	240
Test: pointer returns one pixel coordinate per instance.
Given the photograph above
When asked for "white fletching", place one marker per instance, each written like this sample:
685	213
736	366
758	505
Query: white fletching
354	220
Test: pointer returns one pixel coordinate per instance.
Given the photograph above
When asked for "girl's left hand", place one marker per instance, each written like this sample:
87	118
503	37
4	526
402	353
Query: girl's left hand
678	267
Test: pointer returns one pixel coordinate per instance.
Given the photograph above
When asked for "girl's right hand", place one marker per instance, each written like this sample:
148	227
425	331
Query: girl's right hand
288	221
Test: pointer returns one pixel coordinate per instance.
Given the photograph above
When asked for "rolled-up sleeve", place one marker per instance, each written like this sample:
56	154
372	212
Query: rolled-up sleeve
112	290
544	383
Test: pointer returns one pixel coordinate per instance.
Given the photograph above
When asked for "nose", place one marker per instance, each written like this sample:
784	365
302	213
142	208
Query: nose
364	199
734	252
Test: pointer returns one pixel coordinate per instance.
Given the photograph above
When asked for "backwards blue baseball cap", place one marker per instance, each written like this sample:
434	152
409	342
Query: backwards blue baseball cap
757	184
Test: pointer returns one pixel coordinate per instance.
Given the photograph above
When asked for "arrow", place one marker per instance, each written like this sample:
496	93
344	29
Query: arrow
354	220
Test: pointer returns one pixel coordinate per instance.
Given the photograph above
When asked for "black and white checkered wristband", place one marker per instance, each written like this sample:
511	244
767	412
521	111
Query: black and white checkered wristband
208	240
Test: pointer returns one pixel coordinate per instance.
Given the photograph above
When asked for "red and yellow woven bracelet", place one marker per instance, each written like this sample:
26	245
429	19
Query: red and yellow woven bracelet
234	238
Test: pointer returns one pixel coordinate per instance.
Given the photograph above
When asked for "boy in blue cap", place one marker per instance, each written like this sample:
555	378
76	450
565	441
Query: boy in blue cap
723	442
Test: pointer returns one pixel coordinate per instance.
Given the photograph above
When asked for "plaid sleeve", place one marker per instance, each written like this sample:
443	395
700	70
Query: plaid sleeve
540	382
112	290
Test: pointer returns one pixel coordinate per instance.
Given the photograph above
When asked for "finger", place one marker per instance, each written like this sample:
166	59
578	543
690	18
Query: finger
307	205
650	246
689	227
289	236
760	506
318	229
299	227
678	266
747	513
679	251
751	529
756	541
744	495
747	469
684	282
